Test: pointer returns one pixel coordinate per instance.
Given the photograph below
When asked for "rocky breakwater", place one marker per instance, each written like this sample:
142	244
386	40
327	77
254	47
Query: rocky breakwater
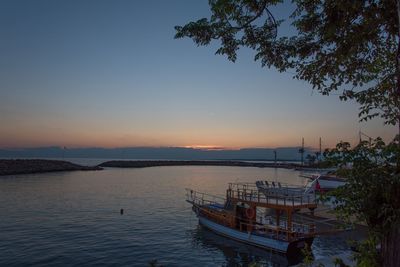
25	166
156	163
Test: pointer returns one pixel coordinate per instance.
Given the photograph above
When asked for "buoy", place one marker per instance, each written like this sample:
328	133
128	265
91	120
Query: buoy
121	211
250	213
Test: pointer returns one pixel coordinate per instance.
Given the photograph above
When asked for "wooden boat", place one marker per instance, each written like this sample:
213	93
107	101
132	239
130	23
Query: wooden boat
258	217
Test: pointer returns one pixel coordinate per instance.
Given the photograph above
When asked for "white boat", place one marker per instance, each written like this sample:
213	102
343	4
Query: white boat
313	170
326	182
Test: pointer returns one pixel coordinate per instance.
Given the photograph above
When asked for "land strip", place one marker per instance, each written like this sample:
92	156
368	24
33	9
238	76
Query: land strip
156	163
26	166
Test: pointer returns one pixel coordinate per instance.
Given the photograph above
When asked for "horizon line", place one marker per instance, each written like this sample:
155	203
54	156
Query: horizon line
204	148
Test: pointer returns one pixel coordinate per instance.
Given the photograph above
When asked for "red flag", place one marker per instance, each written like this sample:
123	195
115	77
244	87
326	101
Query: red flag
317	186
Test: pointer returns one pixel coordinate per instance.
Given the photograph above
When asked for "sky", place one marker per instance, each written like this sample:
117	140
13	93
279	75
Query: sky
97	73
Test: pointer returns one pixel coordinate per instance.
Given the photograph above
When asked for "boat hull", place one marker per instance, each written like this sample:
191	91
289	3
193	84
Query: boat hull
255	240
330	183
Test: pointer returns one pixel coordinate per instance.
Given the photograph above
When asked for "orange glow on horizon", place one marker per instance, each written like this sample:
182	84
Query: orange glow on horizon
208	147
78	136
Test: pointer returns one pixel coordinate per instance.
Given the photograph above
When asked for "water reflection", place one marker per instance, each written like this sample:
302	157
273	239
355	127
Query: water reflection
237	253
73	218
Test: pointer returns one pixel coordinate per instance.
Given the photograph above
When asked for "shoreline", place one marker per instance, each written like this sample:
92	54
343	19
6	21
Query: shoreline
30	166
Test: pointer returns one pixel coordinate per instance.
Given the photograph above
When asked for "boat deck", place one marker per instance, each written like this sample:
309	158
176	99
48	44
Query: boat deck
276	202
275	199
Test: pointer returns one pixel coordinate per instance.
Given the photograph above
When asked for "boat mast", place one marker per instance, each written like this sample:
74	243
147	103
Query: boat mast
301	150
361	134
320	150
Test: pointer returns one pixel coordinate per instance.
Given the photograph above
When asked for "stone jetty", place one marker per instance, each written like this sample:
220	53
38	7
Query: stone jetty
25	166
156	163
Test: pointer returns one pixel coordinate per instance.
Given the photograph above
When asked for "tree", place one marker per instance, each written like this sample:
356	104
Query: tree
350	46
371	195
339	45
311	159
318	156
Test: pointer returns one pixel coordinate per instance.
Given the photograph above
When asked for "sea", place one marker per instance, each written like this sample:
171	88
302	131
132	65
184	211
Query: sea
74	219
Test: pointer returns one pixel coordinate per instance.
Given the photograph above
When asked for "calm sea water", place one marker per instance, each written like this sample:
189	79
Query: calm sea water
73	219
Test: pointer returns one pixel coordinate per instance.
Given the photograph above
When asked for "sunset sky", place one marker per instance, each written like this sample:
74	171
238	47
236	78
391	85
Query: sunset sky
110	74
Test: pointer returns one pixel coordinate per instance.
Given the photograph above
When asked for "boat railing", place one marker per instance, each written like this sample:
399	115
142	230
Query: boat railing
271	221
305	228
271	188
279	232
201	198
266	184
251	194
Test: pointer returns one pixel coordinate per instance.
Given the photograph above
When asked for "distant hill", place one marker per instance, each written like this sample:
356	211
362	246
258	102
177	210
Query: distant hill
163	153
